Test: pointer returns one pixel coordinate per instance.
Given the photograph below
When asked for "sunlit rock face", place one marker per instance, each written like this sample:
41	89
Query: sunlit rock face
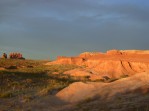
113	63
79	91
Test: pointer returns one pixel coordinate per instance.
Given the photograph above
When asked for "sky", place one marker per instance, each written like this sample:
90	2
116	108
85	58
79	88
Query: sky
44	29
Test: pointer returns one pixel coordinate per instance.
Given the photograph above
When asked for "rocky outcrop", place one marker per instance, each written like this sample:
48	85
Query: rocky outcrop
113	63
89	54
114	52
134	51
117	68
68	60
127	52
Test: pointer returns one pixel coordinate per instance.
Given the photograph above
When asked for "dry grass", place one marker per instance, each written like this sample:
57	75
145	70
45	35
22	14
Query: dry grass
30	80
27	85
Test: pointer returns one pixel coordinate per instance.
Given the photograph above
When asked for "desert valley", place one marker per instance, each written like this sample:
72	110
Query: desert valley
117	80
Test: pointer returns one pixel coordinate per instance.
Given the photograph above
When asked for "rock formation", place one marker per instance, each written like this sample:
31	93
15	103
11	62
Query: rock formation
113	63
80	91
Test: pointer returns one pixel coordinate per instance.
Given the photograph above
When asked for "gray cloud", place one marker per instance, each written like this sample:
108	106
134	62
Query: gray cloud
67	27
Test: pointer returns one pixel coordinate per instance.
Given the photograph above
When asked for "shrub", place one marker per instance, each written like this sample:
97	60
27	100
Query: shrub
6	95
123	76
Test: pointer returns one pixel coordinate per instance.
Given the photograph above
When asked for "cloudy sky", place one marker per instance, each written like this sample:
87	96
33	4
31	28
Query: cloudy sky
43	29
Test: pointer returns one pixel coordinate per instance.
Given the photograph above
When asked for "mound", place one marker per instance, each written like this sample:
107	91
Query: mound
81	91
1	68
81	72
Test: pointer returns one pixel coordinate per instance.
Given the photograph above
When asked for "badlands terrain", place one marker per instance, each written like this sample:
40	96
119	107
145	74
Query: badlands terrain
117	80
